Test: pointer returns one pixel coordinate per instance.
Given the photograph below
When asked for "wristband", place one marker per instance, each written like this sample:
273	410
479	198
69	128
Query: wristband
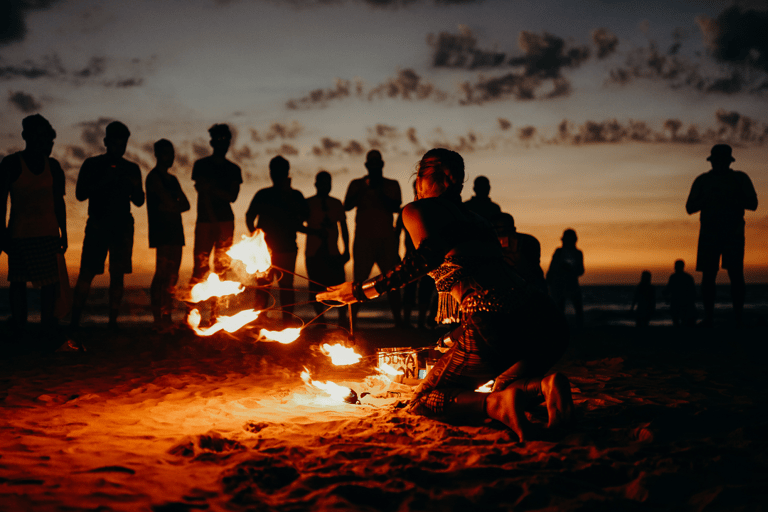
357	292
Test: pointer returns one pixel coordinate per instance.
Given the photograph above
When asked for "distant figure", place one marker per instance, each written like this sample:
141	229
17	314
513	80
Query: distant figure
680	292
563	275
217	181
377	199
721	195
281	211
521	251
165	204
37	228
645	300
325	264
109	183
481	203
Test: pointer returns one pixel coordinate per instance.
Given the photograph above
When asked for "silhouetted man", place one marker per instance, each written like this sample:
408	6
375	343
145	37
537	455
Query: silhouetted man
281	211
644	301
377	199
481	203
109	183
521	251
217	181
680	292
563	275
325	264
721	195
165	203
37	228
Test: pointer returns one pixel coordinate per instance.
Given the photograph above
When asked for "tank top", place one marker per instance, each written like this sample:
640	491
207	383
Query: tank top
32	212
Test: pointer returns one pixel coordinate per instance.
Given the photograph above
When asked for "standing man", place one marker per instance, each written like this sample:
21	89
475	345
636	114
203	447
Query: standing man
721	195
109	183
521	250
217	181
281	211
37	229
377	199
481	203
563	275
325	264
165	204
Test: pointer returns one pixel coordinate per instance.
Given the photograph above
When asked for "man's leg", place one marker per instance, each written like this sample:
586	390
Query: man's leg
287	261
738	291
173	258
315	265
18	298
202	251
116	287
155	294
48	305
223	236
387	258
708	295
80	296
363	260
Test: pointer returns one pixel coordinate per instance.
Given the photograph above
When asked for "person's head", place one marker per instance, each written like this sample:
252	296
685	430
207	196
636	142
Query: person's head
164	153
278	171
374	163
569	237
645	277
721	156
679	266
482	186
503	223
323	183
116	139
38	134
439	171
221	138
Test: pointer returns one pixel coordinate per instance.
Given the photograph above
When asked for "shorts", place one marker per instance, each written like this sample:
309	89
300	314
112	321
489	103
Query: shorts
115	238
384	252
712	247
34	260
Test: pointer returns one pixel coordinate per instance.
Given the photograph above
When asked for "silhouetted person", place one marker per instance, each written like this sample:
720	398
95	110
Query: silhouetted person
481	203
325	264
165	203
377	199
281	211
522	251
109	183
644	300
217	181
563	275
680	292
37	227
721	195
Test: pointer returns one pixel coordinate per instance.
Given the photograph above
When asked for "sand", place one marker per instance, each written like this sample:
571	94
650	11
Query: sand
667	420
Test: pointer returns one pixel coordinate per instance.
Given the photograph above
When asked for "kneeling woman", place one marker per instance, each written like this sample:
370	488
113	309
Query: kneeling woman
509	331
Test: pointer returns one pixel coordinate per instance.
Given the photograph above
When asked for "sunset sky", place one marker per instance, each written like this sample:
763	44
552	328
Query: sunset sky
594	115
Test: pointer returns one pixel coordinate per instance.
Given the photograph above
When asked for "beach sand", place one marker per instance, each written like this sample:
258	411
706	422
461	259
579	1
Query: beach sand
668	419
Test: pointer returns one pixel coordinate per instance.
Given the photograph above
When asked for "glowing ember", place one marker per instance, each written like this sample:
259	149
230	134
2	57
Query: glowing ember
226	323
214	287
341	355
485	388
337	393
388	369
252	251
285	336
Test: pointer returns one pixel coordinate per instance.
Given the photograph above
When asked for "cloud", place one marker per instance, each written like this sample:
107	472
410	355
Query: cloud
606	42
284	149
94	71
327	147
504	124
277	131
93	132
321	97
737	36
49	66
407	85
13	25
23	101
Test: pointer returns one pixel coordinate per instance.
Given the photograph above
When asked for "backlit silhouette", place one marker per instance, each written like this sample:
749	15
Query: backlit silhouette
522	251
481	203
644	300
680	292
563	274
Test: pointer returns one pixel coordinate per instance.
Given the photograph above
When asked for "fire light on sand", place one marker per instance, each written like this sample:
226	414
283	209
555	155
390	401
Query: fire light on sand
336	393
485	388
226	323
285	336
253	252
341	355
213	287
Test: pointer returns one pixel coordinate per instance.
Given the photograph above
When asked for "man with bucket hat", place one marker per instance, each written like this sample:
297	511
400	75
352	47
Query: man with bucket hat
721	195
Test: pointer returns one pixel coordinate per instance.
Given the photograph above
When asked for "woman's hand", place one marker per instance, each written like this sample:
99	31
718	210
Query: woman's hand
339	293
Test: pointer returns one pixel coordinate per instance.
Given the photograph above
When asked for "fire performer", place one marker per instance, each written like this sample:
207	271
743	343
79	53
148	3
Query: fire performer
509	331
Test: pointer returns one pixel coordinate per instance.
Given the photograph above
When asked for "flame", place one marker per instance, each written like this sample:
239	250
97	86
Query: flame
253	252
388	369
214	287
340	355
336	392
285	336
227	323
485	388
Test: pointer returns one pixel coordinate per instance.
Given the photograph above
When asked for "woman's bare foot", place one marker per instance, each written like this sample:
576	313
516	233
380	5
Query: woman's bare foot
507	407
556	389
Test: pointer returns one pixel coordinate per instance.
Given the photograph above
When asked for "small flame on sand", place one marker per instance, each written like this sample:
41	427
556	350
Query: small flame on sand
253	252
389	369
226	323
285	336
336	392
341	355
214	287
485	388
